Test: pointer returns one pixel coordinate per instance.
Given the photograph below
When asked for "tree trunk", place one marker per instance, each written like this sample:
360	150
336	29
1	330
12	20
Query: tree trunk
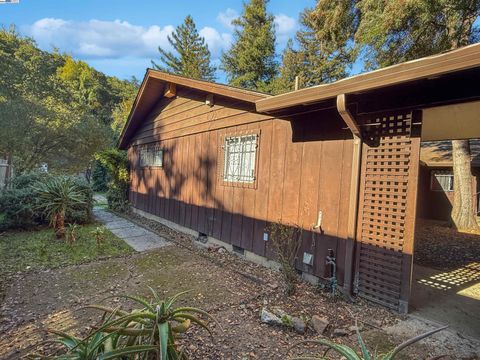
59	225
463	214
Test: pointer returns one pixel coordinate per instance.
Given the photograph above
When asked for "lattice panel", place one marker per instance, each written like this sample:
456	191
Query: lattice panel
384	207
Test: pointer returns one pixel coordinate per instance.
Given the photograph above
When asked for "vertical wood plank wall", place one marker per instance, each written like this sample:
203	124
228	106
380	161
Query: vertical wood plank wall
295	180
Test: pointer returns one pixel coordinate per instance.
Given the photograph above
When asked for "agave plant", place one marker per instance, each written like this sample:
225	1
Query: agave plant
350	354
98	346
155	324
57	196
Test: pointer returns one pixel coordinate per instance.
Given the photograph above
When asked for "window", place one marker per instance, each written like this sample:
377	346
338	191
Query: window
441	180
239	158
150	157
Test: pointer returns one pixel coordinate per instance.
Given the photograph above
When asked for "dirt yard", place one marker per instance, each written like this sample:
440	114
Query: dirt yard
231	289
441	247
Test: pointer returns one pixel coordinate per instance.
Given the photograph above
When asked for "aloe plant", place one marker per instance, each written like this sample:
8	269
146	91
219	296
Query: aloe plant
156	323
350	354
98	346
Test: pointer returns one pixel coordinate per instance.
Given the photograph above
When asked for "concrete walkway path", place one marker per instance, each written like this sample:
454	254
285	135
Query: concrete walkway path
136	236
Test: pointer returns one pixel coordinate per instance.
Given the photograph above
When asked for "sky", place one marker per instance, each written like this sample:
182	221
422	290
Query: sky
121	37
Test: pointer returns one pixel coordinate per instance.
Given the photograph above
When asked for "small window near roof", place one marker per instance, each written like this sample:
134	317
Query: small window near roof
151	157
239	158
441	180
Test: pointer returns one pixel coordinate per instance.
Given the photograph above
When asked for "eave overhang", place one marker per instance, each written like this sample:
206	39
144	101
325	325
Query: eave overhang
425	68
155	85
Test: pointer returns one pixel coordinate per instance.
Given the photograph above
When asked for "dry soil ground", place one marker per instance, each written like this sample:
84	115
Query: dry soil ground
231	289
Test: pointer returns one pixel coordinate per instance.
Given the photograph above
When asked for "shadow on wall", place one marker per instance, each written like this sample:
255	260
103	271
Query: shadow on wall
173	196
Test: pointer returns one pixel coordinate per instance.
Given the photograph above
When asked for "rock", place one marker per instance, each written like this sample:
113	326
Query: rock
269	318
355	328
279	312
299	325
340	332
319	324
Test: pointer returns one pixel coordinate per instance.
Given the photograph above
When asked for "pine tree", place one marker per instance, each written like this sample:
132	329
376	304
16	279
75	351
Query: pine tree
192	58
324	47
250	63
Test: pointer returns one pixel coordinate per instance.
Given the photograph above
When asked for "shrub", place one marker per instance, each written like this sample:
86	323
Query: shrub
21	207
17	202
16	205
99	177
116	163
81	213
285	241
57	197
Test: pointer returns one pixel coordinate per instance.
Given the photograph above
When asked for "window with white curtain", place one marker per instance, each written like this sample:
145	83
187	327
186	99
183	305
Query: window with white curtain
239	158
441	180
151	157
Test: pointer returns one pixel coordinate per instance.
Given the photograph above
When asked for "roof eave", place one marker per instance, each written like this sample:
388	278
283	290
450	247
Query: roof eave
456	60
201	85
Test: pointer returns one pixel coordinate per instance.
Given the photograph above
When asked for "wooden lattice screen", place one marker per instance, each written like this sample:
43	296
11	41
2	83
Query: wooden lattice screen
386	218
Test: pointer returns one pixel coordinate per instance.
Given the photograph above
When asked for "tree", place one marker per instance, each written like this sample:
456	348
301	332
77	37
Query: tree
54	109
250	63
389	32
396	31
192	58
324	47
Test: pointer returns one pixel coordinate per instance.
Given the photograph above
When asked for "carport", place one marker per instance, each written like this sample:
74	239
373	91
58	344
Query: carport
389	112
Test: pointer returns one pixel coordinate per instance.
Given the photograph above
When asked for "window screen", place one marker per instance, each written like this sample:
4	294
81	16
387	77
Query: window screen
151	157
239	161
442	180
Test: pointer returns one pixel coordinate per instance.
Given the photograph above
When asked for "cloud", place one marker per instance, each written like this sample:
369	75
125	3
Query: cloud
96	39
100	39
216	42
284	24
226	17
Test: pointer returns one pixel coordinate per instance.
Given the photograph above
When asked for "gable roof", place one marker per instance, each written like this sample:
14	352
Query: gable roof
152	90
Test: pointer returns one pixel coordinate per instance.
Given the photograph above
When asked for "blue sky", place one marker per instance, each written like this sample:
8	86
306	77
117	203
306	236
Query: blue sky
120	37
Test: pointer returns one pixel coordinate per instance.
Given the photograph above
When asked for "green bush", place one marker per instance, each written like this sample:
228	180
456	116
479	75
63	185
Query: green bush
100	177
81	213
117	200
16	206
19	203
116	163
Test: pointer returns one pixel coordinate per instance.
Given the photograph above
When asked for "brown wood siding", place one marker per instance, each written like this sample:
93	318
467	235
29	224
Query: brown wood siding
294	179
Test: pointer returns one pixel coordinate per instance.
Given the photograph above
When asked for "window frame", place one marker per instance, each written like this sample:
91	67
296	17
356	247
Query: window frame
148	148
221	156
443	173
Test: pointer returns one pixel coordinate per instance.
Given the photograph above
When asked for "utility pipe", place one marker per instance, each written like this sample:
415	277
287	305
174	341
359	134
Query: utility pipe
354	190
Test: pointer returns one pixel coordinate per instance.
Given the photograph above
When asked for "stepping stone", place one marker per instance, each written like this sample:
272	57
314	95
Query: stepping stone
137	237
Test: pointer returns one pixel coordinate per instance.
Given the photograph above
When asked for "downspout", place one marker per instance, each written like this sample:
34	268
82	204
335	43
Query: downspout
354	192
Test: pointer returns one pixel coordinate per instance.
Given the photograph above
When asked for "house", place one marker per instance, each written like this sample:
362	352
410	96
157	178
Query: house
341	160
435	184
